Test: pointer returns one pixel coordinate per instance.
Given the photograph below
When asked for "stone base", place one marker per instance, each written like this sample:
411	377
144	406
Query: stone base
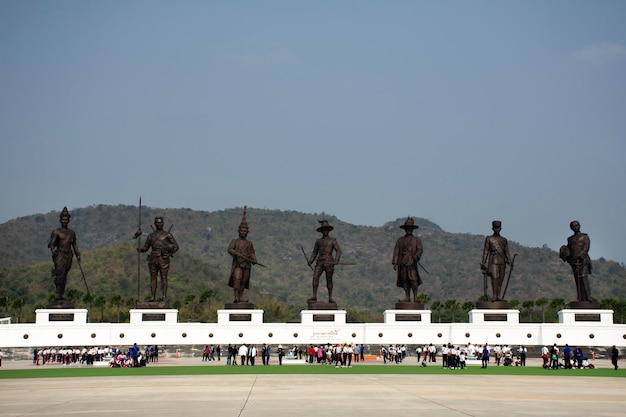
153	304
403	316
153	315
586	316
494	316
589	305
492	305
61	316
329	317
239	315
64	303
244	305
321	305
409	305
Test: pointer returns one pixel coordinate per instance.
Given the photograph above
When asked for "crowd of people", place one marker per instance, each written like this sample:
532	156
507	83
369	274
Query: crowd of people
338	354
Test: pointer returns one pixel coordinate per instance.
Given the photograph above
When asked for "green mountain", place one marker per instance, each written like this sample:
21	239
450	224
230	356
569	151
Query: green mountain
199	271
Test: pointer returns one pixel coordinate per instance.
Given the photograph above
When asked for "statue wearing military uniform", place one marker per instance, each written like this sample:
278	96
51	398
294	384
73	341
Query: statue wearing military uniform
576	253
163	247
495	258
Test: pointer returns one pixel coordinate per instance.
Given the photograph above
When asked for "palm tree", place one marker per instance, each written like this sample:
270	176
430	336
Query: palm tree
467	306
205	297
5	303
527	305
88	300
99	302
451	305
423	298
116	300
18	305
557	304
437	306
541	303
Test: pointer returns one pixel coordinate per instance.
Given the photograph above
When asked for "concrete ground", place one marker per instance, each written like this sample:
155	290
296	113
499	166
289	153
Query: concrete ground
311	395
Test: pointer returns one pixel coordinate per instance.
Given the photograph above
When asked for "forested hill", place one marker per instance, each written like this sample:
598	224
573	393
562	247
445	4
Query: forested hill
105	234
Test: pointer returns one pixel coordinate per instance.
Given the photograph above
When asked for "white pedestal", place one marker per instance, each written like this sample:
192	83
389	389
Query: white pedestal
323	317
586	317
240	316
61	316
153	315
477	316
407	316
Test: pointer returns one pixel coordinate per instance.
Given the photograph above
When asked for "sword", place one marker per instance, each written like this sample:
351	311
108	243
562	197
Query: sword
305	258
509	277
83	276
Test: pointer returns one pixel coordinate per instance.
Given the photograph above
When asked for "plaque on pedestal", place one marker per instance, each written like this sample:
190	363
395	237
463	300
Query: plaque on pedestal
407	316
240	316
153	316
485	316
586	316
61	316
323	316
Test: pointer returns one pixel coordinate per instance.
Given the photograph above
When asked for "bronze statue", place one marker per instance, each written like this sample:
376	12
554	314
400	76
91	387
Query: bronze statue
495	259
242	251
576	253
406	256
163	247
63	247
328	254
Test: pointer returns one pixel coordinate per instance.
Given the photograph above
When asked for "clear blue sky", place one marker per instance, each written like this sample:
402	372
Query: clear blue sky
461	112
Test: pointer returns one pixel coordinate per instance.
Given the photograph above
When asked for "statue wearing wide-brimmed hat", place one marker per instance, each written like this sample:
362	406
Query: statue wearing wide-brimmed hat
406	255
326	254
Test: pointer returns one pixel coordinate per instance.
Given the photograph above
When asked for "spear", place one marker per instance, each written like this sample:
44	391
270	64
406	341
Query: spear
137	236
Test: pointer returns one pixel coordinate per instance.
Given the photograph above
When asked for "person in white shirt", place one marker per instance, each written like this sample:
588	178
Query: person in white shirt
243	353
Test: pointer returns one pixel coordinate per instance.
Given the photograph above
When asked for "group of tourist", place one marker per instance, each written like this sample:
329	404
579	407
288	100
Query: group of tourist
71	355
247	355
566	358
338	354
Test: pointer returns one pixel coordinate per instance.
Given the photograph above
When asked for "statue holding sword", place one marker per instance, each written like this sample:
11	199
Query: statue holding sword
326	254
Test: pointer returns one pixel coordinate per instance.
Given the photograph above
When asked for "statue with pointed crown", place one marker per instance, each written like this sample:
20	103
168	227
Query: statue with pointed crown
242	251
63	248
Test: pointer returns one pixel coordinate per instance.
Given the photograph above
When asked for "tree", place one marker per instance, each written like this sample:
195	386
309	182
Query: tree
541	303
467	306
423	298
513	304
437	306
5	304
18	305
117	301
452	305
205	297
99	302
88	299
527	306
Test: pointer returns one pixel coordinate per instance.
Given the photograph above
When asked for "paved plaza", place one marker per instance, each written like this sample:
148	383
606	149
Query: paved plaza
312	395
